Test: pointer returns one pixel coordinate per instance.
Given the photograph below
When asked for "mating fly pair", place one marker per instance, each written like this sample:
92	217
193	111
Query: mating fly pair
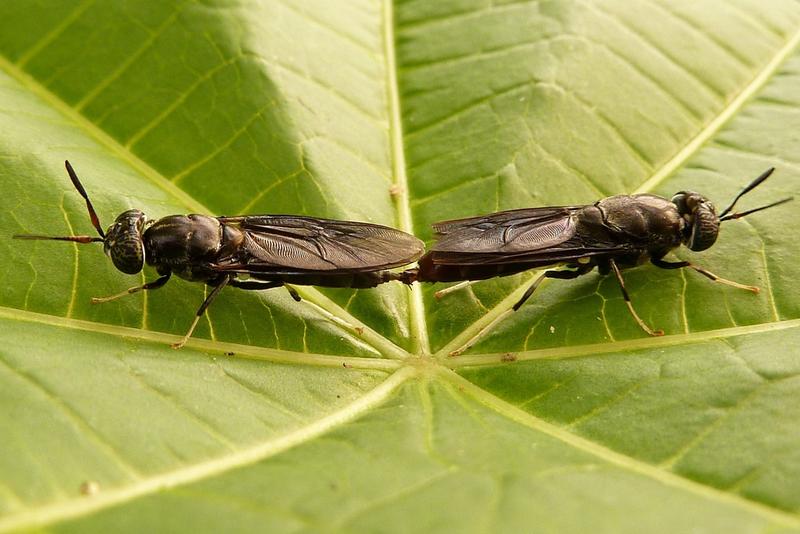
614	233
272	250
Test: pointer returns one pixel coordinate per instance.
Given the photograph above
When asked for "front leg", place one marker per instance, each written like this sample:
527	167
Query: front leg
206	303
155	284
680	264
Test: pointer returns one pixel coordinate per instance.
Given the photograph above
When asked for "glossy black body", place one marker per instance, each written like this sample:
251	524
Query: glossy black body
269	250
630	229
614	233
277	248
188	245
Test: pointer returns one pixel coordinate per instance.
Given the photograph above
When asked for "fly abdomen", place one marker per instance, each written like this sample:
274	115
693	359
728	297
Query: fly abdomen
429	271
353	280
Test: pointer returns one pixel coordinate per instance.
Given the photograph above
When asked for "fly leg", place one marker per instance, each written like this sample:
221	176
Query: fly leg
628	302
563	275
680	264
293	293
155	284
442	292
200	311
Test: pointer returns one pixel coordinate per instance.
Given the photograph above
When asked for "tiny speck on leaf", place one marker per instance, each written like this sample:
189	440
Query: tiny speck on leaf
89	487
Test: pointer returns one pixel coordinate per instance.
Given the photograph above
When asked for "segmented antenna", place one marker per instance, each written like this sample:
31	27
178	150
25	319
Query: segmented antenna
748	212
724	216
75	238
92	216
82	191
755	183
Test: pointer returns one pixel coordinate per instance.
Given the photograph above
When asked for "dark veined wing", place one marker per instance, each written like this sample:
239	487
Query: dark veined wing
532	235
507	232
291	243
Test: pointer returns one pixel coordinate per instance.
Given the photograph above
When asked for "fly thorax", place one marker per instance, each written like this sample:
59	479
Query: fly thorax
622	213
232	239
182	240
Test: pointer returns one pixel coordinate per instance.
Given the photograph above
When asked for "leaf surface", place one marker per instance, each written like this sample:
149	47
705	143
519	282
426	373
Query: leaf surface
347	412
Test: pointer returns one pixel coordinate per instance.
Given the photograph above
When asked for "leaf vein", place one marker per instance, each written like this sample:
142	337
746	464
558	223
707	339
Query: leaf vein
55	33
89	97
73	508
76	419
416	307
622	461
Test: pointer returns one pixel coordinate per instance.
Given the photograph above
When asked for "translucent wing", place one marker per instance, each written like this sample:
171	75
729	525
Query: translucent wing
507	232
290	244
536	236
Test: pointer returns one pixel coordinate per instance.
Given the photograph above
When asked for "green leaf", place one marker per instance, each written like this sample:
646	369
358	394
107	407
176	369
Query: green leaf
347	411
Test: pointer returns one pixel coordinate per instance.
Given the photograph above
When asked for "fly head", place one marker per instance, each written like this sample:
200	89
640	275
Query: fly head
123	242
702	222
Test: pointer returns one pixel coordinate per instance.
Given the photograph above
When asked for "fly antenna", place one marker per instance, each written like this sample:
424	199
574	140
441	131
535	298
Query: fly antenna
82	191
733	216
755	183
75	238
92	216
727	216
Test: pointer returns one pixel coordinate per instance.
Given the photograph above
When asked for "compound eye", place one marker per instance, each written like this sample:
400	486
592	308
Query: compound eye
127	253
679	199
124	242
705	228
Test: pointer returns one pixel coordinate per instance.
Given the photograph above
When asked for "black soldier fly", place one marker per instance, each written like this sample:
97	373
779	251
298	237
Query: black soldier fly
614	233
272	250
